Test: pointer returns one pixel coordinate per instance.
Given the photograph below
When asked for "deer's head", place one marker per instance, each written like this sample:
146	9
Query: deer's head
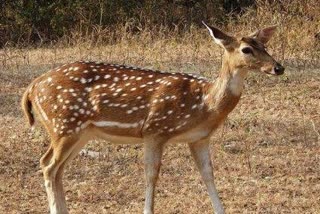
247	53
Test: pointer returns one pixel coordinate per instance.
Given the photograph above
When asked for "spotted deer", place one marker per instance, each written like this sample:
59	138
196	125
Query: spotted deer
85	100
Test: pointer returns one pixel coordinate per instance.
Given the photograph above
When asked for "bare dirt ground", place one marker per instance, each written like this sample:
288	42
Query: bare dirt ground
266	156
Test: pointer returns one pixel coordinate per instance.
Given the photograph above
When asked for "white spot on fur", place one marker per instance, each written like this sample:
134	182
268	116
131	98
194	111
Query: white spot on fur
83	80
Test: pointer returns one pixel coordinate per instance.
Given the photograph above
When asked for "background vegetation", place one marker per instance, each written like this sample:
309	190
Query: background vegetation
92	23
44	21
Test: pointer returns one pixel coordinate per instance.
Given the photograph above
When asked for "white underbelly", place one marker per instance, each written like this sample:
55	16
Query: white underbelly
190	136
115	139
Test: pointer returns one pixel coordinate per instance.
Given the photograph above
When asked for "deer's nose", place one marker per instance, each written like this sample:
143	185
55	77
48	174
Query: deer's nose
279	69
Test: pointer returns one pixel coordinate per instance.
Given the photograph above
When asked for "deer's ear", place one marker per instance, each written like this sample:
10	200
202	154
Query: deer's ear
221	38
265	34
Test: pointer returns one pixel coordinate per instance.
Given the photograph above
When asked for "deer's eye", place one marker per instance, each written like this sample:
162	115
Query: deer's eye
247	50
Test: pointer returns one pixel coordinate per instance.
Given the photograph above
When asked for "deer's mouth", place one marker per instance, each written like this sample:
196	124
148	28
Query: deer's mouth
274	71
270	72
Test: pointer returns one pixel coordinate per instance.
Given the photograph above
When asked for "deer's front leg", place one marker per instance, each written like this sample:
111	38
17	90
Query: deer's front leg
201	153
152	162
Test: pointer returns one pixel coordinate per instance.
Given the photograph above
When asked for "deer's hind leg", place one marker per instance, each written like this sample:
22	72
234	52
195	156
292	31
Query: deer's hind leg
45	159
75	151
60	152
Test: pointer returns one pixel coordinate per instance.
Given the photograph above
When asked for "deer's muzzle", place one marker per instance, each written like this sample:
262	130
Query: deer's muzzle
278	69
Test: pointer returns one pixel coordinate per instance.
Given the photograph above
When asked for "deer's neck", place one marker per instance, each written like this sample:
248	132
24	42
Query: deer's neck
225	92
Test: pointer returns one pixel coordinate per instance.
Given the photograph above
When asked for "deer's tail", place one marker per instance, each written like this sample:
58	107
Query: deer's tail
27	107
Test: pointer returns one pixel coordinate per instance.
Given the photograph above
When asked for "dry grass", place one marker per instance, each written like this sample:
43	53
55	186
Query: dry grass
266	157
